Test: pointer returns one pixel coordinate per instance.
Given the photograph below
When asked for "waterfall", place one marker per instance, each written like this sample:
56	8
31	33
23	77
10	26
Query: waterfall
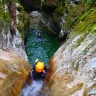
34	89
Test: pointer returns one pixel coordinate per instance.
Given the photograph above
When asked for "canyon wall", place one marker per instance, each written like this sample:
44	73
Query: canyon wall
73	67
14	66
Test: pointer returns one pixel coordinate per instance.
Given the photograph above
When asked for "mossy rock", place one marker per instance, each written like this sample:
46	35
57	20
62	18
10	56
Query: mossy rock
49	8
88	25
5	19
20	8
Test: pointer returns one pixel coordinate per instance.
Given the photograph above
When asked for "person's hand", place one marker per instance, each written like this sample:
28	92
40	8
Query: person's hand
44	71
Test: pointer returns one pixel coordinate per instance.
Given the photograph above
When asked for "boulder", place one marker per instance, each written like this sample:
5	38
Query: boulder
13	72
34	14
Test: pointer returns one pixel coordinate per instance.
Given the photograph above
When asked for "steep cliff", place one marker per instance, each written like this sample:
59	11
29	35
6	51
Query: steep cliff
14	67
73	66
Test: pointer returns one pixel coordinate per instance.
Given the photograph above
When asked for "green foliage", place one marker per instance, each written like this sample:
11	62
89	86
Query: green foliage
7	19
88	25
60	8
59	11
74	13
81	18
17	1
85	51
4	16
90	1
21	28
60	2
21	25
20	8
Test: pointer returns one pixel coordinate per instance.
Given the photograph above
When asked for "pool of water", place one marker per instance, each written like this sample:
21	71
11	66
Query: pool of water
42	47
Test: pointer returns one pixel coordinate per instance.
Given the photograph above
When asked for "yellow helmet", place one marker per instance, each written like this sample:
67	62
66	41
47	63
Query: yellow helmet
40	66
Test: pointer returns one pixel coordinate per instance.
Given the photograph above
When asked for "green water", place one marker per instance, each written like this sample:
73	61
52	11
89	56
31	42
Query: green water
42	47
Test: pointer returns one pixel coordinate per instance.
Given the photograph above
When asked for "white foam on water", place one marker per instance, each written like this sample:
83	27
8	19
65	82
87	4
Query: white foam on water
33	89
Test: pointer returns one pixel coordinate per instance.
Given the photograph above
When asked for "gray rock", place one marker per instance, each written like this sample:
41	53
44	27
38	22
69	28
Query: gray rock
34	14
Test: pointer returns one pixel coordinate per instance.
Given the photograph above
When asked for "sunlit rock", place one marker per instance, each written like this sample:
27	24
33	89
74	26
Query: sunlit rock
14	66
74	67
13	72
8	42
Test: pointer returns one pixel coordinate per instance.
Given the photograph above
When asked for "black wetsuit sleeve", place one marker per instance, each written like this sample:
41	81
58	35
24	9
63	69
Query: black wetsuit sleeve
44	74
45	69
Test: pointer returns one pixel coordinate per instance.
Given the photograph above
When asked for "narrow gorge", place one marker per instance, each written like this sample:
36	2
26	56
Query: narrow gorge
67	46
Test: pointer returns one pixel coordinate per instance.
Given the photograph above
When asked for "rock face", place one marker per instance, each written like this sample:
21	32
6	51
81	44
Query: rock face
34	19
53	16
12	12
14	67
7	41
74	67
48	16
34	14
31	5
56	13
13	72
48	21
10	37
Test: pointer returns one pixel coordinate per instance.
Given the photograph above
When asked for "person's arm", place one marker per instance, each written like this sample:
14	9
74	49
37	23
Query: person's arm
45	70
44	73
